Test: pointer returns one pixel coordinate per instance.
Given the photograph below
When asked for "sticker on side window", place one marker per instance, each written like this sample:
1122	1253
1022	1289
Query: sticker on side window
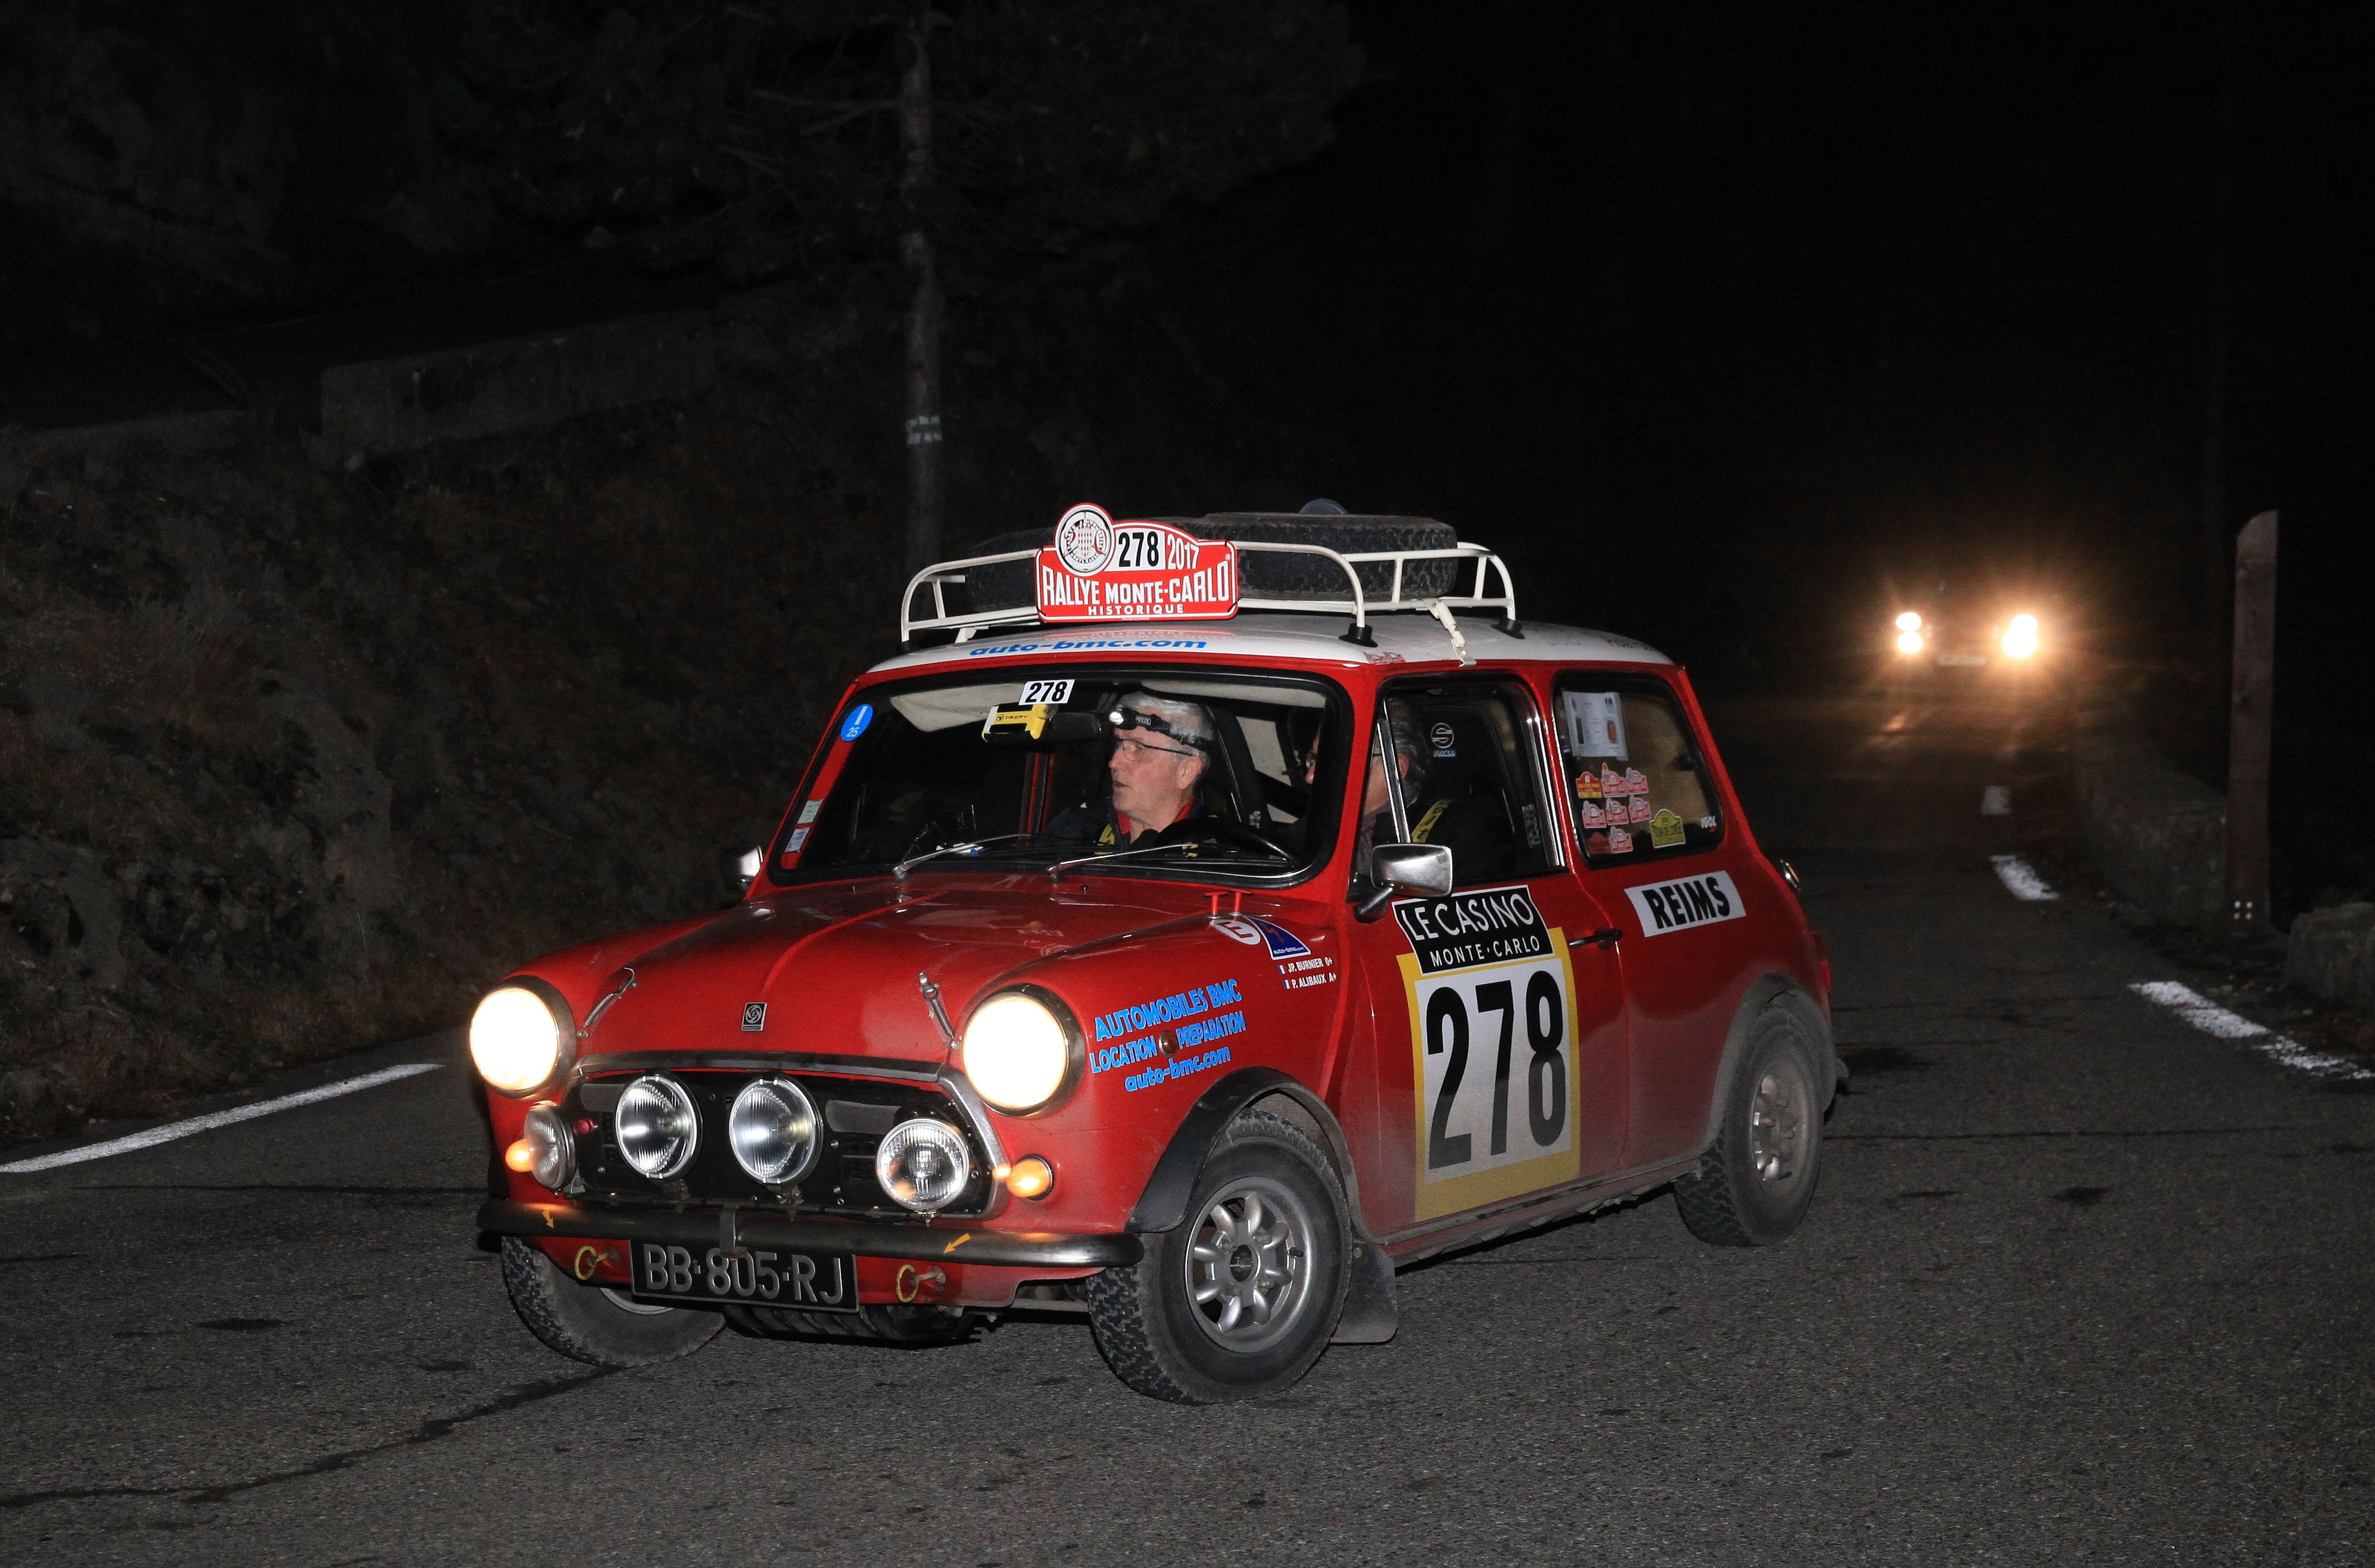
1685	902
1492	1008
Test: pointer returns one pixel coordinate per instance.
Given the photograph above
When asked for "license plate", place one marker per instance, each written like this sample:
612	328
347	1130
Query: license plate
1962	660
808	1281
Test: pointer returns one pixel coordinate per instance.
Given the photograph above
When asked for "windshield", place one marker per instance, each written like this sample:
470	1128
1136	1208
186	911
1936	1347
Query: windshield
1201	770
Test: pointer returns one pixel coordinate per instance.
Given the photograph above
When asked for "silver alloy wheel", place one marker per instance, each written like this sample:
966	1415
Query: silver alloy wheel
1248	1279
1778	1120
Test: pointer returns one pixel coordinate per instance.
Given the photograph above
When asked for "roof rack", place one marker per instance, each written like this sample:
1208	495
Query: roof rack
938	576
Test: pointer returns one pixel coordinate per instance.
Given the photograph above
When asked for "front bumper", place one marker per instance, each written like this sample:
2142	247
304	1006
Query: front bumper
947	1241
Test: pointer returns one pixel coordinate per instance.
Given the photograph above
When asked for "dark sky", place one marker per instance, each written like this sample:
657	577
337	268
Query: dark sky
1853	292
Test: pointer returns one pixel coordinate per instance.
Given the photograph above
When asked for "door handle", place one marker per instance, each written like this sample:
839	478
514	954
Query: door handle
1604	939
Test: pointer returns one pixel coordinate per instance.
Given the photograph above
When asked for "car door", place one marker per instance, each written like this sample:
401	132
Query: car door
1497	1051
1658	855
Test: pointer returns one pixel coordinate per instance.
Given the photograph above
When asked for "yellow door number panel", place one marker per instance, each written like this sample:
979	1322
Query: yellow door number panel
1492	1010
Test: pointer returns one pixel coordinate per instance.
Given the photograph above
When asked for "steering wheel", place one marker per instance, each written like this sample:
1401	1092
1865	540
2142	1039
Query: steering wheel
1285	797
1243	837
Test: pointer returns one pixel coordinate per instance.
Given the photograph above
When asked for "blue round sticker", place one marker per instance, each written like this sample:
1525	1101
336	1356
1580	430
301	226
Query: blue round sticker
859	717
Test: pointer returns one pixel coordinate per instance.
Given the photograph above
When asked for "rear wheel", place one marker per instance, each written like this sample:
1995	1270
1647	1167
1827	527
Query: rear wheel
1242	1297
1753	1187
591	1324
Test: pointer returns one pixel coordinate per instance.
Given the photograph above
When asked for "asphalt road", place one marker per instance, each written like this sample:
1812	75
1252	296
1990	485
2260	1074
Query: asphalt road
2080	1282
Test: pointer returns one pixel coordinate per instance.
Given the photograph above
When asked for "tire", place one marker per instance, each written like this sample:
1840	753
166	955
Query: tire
589	1324
1754	1186
1266	576
1266	1207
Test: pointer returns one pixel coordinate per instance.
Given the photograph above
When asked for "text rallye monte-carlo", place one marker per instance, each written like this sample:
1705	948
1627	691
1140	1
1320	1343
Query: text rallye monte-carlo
1193	975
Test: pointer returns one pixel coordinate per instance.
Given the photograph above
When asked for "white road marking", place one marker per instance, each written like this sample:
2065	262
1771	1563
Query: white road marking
1995	801
2211	1018
149	1137
2021	879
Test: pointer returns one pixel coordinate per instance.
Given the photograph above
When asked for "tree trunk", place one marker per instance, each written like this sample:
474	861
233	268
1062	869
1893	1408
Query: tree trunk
2251	723
924	448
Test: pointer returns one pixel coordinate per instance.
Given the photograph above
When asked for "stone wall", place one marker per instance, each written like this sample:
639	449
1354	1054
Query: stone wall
386	406
2159	836
2331	952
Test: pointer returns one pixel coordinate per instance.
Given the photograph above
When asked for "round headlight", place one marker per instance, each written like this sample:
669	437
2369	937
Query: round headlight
1908	642
1019	1051
519	1039
552	1153
1908	621
2020	637
923	1164
658	1126
772	1127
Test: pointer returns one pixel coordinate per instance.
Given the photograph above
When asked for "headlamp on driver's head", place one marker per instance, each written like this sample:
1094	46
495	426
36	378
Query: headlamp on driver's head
1124	718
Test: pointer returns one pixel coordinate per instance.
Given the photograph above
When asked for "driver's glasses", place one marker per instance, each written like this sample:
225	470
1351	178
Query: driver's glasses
1123	744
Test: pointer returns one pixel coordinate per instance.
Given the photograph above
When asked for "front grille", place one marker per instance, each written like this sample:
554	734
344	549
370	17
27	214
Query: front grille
857	1112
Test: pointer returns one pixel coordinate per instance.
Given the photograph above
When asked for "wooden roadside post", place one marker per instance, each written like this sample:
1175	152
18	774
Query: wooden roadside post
2250	722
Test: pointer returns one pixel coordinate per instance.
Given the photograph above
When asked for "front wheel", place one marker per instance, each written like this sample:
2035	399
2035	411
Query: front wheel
1239	1299
1753	1187
588	1322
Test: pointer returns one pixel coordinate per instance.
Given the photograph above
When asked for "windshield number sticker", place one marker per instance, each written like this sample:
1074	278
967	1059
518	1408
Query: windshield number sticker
1038	691
1492	1008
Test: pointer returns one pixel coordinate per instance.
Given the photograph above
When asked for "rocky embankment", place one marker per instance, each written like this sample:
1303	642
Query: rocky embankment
292	762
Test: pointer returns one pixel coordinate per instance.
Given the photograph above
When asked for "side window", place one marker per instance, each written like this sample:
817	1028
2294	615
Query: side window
1464	758
1635	778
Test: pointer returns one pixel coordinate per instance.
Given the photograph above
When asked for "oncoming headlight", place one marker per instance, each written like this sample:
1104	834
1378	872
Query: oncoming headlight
1021	1050
522	1037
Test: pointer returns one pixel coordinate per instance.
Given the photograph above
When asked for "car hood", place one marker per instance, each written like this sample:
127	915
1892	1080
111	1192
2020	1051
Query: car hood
839	972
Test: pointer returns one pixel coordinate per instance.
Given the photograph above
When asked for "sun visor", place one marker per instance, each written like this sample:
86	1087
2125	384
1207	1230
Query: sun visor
945	707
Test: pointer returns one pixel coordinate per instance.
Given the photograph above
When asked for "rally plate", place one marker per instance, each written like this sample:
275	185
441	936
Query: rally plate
803	1281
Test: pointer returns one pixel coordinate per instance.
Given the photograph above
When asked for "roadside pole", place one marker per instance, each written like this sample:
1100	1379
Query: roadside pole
2251	717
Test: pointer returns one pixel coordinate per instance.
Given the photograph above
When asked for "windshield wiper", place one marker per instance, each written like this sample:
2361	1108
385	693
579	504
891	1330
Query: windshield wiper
1063	866
971	846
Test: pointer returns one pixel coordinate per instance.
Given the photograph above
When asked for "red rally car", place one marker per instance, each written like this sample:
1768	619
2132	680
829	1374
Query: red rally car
1203	918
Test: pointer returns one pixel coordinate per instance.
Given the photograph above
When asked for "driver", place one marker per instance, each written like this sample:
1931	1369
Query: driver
1162	749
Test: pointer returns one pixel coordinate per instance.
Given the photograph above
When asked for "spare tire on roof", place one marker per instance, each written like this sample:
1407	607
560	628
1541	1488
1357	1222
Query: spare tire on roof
1265	576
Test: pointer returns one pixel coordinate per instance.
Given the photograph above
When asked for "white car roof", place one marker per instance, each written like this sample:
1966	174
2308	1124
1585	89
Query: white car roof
1402	638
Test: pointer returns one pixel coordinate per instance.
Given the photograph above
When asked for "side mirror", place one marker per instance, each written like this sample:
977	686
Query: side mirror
1404	868
1412	868
746	870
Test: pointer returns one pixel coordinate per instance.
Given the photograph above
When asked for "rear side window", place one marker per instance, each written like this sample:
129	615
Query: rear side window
1466	777
1636	779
